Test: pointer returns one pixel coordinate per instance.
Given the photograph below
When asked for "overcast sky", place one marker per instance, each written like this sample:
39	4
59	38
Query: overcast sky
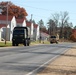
42	9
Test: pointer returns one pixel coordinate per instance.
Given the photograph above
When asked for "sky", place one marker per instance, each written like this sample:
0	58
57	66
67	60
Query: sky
43	9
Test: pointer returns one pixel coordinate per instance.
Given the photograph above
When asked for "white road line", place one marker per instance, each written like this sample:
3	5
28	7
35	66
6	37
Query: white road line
34	71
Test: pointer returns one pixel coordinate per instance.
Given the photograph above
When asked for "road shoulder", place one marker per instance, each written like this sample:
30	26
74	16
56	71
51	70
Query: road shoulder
64	65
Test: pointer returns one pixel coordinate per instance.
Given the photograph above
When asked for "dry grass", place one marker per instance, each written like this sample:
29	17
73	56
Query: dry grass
64	65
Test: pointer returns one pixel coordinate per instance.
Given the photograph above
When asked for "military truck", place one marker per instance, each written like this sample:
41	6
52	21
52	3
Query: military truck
53	39
20	36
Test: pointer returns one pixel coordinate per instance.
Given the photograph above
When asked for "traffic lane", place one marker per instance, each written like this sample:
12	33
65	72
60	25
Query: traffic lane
29	60
25	52
4	51
19	62
17	50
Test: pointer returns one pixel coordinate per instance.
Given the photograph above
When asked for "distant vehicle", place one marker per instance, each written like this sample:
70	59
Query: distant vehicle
20	36
53	39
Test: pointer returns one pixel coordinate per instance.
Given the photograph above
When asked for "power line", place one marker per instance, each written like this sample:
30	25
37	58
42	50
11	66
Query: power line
46	17
23	4
44	9
39	8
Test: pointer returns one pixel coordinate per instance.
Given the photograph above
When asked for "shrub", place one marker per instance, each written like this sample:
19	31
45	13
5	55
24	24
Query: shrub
73	37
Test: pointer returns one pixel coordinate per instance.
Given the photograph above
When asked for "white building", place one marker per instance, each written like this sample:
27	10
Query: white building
21	22
6	30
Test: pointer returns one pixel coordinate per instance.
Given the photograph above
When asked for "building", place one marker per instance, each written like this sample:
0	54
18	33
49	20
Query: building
6	30
21	22
44	36
34	33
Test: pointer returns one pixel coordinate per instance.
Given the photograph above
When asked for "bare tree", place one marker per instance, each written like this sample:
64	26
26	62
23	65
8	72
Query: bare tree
60	24
55	18
51	27
67	31
64	19
41	25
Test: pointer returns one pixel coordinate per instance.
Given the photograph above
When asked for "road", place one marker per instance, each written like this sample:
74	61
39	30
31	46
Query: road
29	60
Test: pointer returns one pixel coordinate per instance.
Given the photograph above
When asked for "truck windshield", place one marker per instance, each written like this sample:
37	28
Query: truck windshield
53	36
18	32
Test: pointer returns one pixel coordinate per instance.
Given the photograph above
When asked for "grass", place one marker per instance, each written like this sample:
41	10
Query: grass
8	44
37	42
2	44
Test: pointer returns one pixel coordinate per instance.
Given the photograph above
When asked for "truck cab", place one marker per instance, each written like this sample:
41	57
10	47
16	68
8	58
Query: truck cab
20	36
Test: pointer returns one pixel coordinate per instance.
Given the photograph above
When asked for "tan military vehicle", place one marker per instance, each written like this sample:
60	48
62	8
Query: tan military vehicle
53	39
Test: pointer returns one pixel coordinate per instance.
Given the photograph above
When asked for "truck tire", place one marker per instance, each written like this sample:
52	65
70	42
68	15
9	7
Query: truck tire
56	42
25	43
13	44
16	44
51	42
28	42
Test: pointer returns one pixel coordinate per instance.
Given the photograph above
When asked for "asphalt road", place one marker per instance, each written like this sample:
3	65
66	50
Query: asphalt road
29	60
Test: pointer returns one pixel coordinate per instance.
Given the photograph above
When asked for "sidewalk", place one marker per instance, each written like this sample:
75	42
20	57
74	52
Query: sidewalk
64	65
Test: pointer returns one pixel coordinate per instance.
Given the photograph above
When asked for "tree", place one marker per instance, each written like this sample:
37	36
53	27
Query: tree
41	25
56	20
60	24
64	20
13	10
51	27
67	32
73	37
74	27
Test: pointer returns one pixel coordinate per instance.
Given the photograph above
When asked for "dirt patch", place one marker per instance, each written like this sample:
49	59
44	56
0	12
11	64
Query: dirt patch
64	65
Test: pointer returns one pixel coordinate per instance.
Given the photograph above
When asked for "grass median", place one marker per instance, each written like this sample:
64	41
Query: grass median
2	44
8	44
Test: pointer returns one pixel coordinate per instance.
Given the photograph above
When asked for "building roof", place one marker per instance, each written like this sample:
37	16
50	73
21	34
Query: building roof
28	24
44	34
20	20
2	25
35	25
4	17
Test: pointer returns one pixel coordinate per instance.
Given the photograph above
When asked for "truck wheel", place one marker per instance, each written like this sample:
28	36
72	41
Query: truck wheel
28	42
13	44
56	42
24	43
16	44
51	42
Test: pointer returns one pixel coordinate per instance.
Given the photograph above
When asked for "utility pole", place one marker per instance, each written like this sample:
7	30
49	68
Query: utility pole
40	35
40	31
49	30
31	17
31	30
6	25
